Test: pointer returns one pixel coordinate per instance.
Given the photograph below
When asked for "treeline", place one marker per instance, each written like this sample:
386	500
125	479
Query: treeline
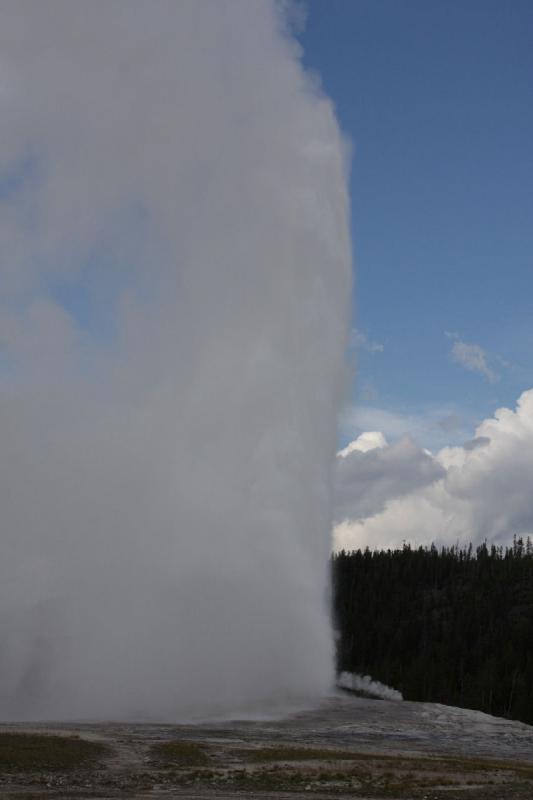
450	626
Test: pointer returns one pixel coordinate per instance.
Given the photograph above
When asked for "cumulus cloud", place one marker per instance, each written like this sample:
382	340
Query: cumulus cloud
481	490
174	233
368	478
368	440
434	426
479	441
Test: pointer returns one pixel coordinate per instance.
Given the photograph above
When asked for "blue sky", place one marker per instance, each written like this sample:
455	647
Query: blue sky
437	99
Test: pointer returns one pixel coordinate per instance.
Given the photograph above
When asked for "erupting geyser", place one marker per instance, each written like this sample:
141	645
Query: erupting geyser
175	280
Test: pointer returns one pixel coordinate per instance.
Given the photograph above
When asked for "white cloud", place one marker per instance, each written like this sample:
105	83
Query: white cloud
479	491
365	442
369	477
431	427
472	357
360	341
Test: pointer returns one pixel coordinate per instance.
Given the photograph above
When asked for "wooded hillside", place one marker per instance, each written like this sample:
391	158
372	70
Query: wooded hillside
452	626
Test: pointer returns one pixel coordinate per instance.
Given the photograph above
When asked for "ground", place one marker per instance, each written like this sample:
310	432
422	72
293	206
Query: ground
348	747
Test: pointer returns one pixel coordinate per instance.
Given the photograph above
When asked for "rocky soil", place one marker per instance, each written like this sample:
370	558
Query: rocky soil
348	747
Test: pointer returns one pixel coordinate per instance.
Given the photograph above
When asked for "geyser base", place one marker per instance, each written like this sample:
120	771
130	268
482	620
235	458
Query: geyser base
347	747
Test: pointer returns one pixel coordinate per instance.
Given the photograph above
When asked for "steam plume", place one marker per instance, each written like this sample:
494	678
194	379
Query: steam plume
174	282
365	685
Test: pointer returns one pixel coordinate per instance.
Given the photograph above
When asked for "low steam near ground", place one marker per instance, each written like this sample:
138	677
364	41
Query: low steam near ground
365	685
174	289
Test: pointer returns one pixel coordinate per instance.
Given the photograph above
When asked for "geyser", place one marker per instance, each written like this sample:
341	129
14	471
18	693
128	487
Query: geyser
175	280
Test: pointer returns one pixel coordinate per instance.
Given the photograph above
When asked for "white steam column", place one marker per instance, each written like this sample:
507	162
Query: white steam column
174	292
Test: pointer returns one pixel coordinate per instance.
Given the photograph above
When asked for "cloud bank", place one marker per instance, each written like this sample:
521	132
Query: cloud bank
481	490
173	302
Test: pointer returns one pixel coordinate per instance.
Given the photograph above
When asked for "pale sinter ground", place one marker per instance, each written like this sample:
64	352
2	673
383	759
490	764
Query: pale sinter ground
347	747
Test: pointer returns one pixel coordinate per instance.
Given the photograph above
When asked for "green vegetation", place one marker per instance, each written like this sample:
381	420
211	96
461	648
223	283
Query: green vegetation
267	754
21	751
181	753
450	626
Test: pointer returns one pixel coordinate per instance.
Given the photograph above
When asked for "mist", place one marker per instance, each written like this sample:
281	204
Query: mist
174	288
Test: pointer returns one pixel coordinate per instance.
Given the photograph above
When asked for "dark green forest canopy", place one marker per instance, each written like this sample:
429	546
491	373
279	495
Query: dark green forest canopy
451	626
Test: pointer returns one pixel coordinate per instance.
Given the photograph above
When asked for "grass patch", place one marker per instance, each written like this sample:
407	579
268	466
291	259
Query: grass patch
521	769
269	754
373	774
181	753
26	751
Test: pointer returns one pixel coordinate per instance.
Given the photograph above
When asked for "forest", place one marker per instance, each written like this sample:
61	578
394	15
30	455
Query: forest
451	625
